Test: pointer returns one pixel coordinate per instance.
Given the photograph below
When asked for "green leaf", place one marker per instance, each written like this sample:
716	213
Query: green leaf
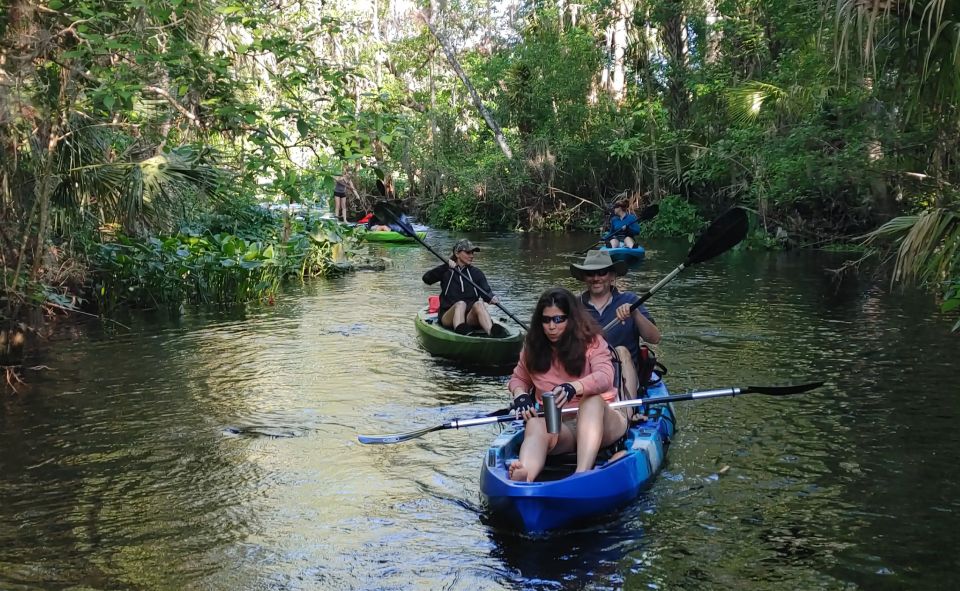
109	101
950	305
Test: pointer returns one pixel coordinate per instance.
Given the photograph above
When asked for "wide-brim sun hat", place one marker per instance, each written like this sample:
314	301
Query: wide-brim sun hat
597	260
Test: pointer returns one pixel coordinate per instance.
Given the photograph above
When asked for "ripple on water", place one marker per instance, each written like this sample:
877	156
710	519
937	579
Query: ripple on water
218	450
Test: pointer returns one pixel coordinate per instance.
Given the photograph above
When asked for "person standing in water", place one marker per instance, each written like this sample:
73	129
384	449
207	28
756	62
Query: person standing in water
340	196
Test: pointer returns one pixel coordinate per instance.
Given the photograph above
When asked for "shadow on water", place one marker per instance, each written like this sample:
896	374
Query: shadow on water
594	556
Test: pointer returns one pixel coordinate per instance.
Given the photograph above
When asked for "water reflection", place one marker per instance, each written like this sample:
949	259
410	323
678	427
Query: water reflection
218	450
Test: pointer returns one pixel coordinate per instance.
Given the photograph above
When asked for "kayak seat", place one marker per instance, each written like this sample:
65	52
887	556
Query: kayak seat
563	465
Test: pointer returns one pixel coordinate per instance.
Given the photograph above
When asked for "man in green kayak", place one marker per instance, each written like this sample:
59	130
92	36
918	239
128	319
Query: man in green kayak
464	289
605	303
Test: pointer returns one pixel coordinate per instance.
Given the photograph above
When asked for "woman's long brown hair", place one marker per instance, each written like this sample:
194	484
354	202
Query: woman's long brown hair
571	349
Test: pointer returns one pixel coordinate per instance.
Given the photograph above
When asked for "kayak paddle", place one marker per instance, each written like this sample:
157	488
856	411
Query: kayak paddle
386	211
646	215
487	420
723	234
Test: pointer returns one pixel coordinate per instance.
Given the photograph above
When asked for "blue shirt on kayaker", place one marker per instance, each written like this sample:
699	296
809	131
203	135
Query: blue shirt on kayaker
463	289
624	226
626	333
606	303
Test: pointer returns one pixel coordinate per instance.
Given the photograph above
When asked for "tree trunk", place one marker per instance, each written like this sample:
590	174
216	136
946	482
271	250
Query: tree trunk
487	116
606	74
675	44
714	32
376	39
618	87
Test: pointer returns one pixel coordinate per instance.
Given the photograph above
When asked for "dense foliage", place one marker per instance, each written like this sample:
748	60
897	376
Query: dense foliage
132	129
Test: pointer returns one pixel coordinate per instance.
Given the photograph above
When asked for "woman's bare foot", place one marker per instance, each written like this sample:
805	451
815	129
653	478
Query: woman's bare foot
517	472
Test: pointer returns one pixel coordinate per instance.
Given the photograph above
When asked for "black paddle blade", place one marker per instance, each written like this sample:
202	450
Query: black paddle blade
783	390
391	213
723	234
381	188
649	213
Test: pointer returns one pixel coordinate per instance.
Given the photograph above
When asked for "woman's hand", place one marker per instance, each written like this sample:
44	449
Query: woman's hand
524	406
494	300
563	394
452	263
624	312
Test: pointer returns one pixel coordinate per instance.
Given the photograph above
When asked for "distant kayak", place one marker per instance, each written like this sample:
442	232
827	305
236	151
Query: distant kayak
622	253
393	237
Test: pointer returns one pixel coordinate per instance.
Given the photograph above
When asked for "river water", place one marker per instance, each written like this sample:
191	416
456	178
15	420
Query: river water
218	450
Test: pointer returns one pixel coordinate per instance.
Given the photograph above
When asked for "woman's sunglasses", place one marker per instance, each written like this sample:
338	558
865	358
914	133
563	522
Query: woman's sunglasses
558	319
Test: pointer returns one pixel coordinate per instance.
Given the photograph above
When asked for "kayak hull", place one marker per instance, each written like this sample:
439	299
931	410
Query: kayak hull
391	237
625	254
557	500
470	349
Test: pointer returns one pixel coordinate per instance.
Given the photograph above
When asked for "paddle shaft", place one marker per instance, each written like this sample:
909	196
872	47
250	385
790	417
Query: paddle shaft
702	395
603	239
648	294
723	392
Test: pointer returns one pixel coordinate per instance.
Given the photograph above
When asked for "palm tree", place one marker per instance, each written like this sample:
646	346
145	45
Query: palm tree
915	42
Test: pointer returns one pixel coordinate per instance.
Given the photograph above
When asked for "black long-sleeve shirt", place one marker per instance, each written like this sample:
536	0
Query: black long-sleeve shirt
454	288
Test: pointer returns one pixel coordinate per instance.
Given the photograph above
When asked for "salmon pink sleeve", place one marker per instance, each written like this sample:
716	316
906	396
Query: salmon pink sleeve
598	369
521	377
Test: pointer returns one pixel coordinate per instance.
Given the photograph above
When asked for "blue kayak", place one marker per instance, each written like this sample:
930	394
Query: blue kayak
559	497
622	253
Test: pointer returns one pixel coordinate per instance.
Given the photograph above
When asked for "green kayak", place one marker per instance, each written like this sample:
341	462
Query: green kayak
391	237
475	348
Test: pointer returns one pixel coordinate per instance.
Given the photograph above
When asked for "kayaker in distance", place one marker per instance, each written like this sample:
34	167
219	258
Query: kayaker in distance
340	196
375	225
564	353
462	305
604	302
624	224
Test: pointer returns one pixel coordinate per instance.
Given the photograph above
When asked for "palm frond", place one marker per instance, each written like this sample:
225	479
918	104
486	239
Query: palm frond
928	245
155	188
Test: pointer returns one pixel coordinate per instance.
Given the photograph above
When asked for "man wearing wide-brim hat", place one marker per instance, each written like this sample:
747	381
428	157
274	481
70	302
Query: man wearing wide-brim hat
605	303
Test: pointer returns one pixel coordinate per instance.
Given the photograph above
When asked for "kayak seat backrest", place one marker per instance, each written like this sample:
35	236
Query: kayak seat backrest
433	304
617	372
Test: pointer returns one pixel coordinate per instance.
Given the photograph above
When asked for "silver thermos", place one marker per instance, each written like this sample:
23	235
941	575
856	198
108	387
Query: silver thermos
551	413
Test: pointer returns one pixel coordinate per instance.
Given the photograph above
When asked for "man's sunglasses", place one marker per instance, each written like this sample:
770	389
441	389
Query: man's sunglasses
558	319
599	273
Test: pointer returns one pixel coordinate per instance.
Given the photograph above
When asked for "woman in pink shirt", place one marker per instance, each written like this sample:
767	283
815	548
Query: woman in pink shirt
564	353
